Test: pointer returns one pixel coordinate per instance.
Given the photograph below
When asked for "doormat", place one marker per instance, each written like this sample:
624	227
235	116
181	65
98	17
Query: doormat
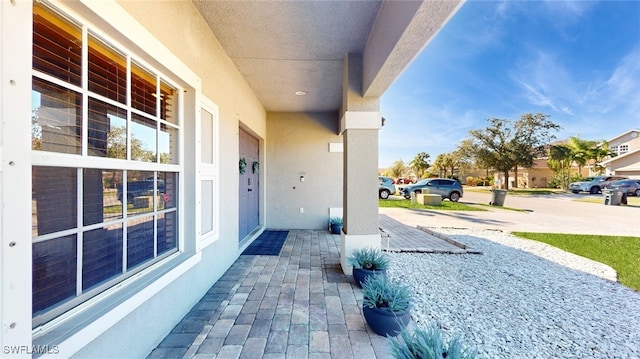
269	243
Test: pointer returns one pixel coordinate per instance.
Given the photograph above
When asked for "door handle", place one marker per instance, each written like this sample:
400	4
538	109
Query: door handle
249	190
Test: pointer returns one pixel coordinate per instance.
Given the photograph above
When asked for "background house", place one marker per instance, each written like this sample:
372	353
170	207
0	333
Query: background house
626	146
178	95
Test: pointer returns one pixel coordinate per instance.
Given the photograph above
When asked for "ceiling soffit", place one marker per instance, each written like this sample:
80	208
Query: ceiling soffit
281	47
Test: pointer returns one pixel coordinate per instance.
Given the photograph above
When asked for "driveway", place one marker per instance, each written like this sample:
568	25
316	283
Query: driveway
542	213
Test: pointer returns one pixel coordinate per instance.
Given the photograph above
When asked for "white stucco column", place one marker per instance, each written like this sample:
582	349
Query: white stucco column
360	123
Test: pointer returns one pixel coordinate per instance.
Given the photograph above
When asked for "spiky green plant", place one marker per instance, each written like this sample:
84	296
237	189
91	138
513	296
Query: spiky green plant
369	258
380	292
427	343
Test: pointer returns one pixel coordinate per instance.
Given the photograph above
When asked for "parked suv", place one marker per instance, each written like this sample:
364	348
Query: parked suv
139	188
629	186
386	187
447	188
593	185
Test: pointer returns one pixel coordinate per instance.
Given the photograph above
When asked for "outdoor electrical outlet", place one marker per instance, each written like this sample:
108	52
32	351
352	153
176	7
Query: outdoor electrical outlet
301	210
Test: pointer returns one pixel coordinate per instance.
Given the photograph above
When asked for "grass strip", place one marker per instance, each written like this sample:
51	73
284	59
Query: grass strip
446	205
621	253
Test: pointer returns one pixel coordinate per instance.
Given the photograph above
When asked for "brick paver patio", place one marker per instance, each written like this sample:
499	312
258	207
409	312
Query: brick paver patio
296	305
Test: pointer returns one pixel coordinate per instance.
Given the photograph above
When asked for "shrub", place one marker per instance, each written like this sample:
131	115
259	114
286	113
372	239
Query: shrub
380	292
427	344
471	181
369	258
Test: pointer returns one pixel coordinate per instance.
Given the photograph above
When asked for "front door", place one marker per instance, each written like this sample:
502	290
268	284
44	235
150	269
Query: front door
249	184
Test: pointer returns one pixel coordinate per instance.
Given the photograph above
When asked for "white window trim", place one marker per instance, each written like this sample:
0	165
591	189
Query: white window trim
15	173
208	172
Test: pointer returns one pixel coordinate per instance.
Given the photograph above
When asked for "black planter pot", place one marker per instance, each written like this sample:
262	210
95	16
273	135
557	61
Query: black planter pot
384	322
336	228
360	275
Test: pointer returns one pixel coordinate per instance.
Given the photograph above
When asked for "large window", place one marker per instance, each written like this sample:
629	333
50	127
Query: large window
104	133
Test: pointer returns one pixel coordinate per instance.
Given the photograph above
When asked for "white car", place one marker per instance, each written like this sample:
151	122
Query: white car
593	185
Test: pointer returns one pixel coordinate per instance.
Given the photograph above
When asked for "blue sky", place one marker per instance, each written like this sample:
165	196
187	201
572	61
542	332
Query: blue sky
577	61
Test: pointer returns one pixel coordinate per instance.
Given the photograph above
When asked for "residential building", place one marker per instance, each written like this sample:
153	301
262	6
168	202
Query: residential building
626	146
144	145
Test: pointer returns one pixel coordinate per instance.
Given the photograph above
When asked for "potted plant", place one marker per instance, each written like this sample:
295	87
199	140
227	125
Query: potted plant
367	261
427	343
386	305
336	225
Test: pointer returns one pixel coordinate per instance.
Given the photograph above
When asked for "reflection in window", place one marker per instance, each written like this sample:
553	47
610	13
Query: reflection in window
143	139
168	184
143	90
101	255
140	190
54	197
107	130
167	231
54	271
56	118
168	103
99	195
57	46
107	71
139	241
168	144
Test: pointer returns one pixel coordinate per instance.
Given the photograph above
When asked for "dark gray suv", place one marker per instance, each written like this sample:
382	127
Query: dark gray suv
447	188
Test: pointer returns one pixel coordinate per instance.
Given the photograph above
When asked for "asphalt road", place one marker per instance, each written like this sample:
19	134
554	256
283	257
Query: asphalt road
557	213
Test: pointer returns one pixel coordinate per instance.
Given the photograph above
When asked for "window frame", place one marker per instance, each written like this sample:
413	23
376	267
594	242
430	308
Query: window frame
208	172
84	160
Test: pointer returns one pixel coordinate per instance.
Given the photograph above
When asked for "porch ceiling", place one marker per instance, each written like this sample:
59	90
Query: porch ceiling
281	47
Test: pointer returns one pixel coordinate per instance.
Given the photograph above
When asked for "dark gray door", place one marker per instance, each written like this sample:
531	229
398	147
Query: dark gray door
249	185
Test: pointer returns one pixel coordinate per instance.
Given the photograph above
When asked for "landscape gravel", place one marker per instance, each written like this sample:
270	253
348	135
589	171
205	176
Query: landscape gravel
521	299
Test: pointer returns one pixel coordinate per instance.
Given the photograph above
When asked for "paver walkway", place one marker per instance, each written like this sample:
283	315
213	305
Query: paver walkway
399	237
296	305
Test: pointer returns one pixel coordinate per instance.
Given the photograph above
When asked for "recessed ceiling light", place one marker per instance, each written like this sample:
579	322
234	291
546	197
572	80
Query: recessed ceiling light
300	93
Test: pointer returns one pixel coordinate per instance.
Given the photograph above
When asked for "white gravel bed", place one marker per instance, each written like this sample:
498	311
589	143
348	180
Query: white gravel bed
511	303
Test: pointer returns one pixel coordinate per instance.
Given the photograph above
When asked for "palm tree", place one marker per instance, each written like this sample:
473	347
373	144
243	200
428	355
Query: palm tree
599	154
397	170
560	158
420	164
580	151
441	164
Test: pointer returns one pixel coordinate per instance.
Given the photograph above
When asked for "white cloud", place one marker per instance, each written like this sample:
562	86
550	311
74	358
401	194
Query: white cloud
576	9
623	86
546	83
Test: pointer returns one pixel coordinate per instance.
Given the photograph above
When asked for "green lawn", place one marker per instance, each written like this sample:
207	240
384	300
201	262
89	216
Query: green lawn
620	252
631	201
446	205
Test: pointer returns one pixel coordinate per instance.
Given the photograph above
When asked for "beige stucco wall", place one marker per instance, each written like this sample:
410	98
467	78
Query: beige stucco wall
630	138
631	160
299	146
